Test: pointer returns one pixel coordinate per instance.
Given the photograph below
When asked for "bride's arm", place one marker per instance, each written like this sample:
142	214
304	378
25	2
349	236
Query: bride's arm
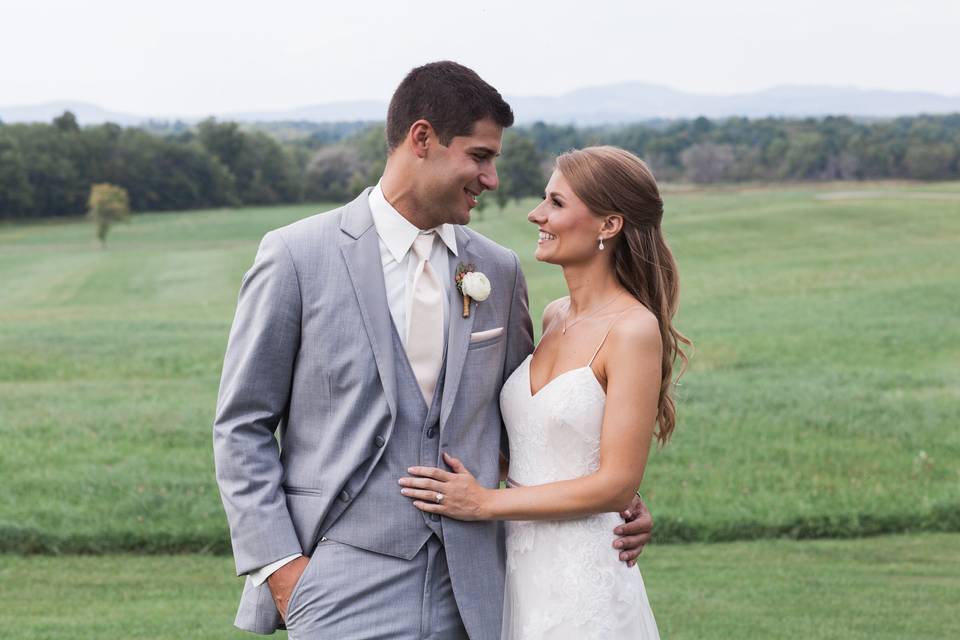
632	368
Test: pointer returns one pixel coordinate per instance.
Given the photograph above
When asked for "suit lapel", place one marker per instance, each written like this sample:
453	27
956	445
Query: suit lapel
458	334
361	252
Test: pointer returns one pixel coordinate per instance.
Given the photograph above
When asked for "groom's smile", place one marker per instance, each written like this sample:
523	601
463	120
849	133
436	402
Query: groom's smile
471	197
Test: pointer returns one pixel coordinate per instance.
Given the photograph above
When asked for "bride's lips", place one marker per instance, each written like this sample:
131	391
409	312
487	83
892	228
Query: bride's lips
545	237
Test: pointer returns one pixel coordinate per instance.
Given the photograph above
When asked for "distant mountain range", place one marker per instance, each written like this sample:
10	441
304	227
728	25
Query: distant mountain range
610	104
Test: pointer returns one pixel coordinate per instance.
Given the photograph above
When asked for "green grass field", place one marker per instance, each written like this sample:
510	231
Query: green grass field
822	398
886	588
821	402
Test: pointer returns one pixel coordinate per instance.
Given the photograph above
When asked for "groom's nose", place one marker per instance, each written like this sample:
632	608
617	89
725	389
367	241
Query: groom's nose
489	178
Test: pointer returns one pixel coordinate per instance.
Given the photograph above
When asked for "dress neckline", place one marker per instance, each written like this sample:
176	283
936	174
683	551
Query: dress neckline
529	383
589	365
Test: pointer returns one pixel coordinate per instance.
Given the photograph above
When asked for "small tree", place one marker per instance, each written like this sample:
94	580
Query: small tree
333	173
108	204
709	162
67	122
521	170
502	196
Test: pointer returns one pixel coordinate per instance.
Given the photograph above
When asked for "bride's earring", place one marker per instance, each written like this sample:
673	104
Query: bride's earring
600	246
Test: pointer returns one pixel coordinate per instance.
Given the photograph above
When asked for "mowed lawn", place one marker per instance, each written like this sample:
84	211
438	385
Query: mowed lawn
885	588
822	399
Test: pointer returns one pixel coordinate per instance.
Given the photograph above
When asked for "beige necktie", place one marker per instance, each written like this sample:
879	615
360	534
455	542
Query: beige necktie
425	323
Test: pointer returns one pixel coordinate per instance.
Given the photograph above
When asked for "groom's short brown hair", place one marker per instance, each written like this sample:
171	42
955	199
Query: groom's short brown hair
451	97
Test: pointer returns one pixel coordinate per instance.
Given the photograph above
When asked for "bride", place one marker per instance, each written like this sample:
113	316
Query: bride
581	412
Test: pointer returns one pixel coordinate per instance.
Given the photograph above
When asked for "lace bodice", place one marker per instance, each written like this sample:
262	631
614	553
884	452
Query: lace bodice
555	433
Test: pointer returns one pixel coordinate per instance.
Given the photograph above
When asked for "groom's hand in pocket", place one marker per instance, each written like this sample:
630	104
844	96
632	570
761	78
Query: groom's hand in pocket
635	532
283	580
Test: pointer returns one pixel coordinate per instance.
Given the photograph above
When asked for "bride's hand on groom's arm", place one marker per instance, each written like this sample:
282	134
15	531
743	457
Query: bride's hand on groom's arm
635	533
462	497
283	580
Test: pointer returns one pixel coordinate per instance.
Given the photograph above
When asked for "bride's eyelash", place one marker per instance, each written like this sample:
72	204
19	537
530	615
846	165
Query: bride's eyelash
554	201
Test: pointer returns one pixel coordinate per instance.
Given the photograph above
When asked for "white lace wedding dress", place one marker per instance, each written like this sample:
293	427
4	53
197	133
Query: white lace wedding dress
564	578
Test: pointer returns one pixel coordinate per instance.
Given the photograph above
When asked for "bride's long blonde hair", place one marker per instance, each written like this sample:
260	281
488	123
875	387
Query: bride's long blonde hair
610	180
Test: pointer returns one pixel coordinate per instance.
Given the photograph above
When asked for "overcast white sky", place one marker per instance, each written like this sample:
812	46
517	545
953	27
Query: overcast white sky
177	57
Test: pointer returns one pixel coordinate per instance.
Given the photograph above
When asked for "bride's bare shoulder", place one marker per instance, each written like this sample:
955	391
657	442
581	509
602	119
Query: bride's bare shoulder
552	311
636	331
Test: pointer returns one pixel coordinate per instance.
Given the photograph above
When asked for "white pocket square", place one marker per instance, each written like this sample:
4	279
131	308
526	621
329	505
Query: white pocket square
480	336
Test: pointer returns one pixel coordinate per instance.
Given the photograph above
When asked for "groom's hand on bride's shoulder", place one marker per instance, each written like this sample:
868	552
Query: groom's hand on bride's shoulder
635	532
283	580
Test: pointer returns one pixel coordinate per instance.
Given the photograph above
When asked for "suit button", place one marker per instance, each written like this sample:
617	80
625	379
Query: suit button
344	496
379	441
431	433
434	516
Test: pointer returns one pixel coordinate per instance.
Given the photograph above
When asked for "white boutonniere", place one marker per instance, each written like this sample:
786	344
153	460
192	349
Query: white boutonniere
472	284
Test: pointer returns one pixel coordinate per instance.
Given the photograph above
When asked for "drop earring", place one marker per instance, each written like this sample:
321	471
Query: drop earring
600	246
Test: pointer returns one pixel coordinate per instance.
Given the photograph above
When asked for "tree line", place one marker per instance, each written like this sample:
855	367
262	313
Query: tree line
48	169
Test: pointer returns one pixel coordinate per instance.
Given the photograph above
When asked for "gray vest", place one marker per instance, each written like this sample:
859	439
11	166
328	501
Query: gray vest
379	518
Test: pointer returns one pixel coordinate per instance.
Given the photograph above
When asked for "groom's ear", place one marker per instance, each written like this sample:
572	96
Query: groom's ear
420	137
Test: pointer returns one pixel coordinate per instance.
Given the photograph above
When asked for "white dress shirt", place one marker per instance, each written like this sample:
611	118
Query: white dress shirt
399	263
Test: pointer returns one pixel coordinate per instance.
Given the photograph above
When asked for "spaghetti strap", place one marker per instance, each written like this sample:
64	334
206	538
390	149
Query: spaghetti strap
609	327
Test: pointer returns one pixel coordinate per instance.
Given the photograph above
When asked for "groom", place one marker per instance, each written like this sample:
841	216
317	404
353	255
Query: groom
351	337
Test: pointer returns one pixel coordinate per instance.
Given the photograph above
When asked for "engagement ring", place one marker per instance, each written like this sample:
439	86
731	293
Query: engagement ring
439	498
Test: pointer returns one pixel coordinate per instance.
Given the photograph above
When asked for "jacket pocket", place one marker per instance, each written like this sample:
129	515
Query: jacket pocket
302	491
480	344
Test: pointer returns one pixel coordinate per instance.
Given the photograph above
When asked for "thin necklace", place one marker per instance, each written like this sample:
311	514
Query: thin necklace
589	315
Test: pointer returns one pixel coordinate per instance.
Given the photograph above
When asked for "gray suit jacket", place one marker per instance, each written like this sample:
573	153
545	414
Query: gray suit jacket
310	354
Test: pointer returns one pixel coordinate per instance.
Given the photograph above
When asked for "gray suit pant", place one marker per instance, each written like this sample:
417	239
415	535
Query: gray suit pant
347	593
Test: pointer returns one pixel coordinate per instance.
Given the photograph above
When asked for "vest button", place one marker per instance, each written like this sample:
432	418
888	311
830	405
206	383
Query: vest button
431	432
344	496
379	441
434	516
